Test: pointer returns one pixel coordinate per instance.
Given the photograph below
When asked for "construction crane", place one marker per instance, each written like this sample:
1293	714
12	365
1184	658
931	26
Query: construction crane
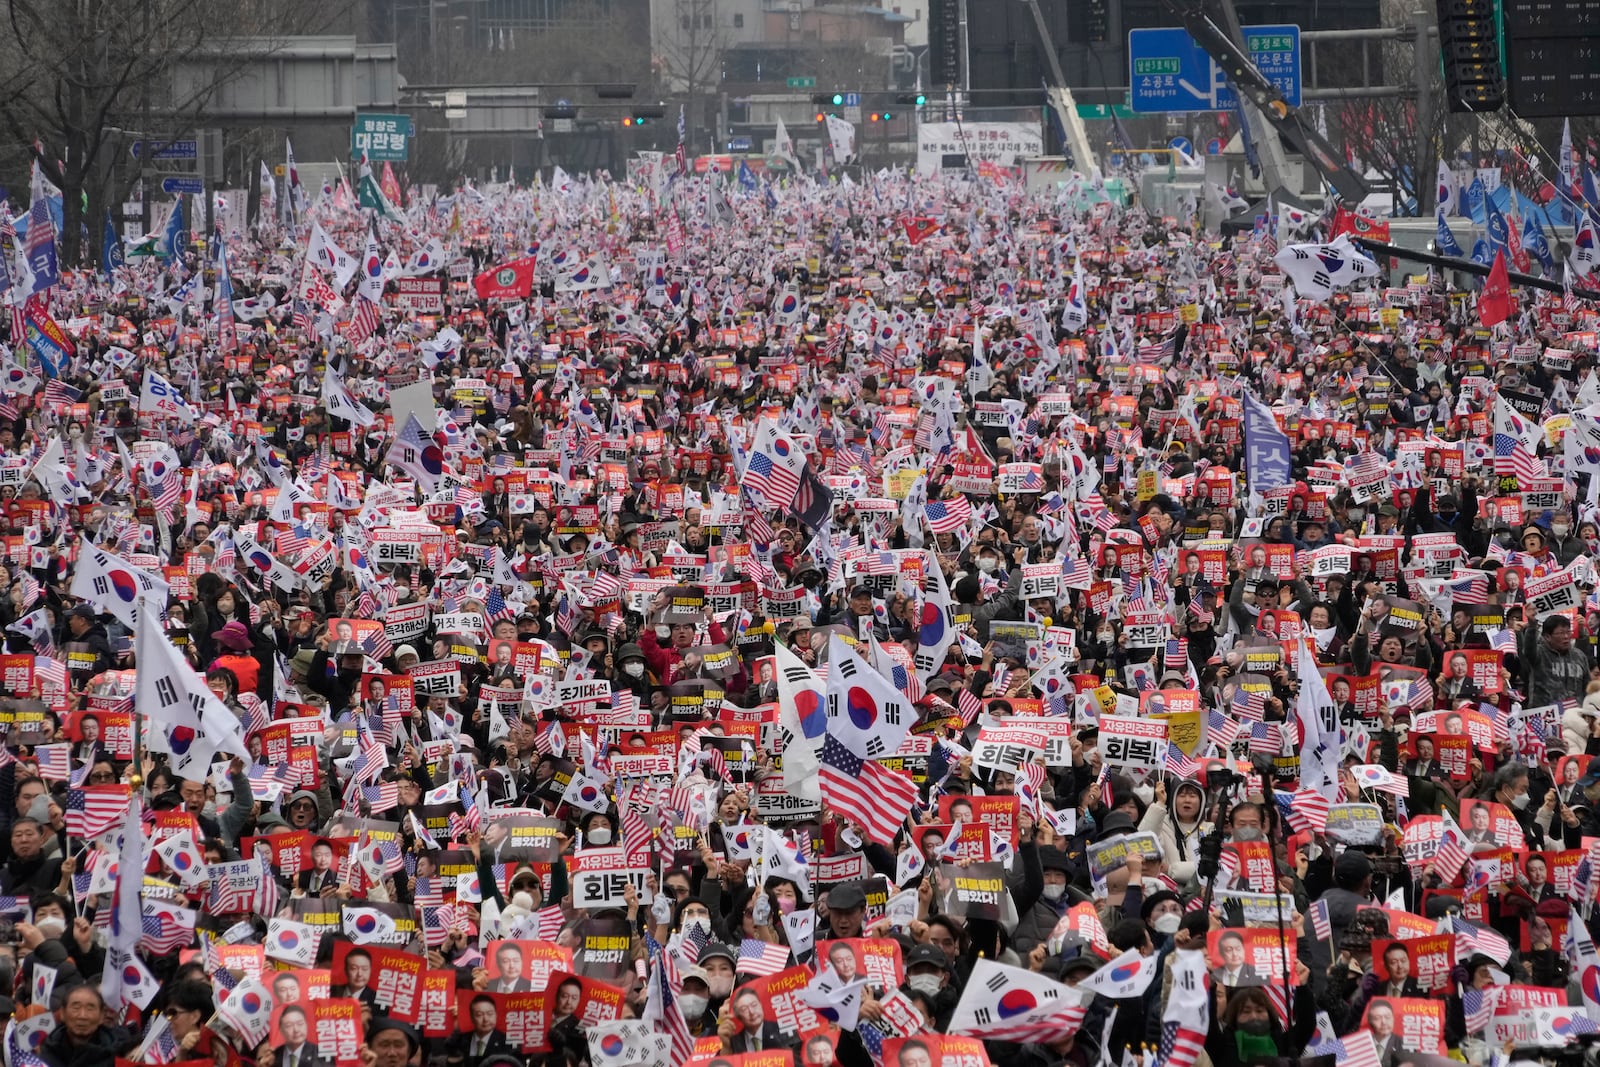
1060	96
1226	48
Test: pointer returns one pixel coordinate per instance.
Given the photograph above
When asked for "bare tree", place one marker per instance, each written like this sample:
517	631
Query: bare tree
81	79
689	47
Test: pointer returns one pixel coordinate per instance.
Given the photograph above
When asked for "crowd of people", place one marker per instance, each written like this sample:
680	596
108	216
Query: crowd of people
910	621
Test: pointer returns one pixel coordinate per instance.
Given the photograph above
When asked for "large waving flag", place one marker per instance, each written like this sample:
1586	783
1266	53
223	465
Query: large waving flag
865	713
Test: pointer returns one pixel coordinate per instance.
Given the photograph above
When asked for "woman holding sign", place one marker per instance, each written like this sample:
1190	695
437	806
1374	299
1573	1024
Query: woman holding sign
1244	1026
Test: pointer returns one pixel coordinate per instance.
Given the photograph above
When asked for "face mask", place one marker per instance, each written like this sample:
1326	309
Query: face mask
699	922
600	835
1521	802
987	564
693	1005
1053	893
633	670
1257	1027
52	926
926	984
1357	515
1247	833
1560	531
1167	924
663	632
787	905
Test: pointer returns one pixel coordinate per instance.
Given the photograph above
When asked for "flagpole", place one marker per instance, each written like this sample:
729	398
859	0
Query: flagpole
1275	822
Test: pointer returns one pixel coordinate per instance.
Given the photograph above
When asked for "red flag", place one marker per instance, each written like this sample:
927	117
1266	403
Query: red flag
918	229
1519	258
1494	303
513	279
1358	225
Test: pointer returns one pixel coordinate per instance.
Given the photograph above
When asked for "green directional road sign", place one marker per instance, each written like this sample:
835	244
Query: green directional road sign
384	138
1105	111
802	83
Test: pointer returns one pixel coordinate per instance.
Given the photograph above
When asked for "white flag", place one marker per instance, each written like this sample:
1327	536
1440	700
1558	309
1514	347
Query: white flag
371	284
803	719
1129	975
114	585
158	397
292	942
340	404
167	690
124	977
330	257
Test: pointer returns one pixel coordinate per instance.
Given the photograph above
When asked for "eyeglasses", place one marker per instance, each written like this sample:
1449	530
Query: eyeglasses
678	890
102	777
173	1013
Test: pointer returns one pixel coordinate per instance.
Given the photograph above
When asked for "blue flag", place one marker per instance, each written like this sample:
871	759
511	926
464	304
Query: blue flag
111	252
173	240
1591	195
1495	226
1475	195
1533	240
747	177
1445	241
1481	253
39	245
1266	448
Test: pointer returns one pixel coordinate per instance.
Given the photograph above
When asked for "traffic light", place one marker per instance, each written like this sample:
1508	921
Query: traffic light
1469	41
874	117
911	99
821	117
838	99
644	115
887	116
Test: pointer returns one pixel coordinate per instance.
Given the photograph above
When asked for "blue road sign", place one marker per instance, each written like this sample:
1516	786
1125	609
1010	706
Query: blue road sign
739	144
852	100
183	184
1214	147
1181	144
1167	71
170	150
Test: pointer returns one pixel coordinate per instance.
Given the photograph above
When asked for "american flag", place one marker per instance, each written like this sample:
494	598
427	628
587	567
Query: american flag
761	958
1266	738
1478	1006
668	984
864	791
1482	939
1220	730
693	943
57	391
948	516
376	643
55	761
1451	854
94	809
1531	743
547	922
1421	696
1355	1049
1250	704
436	922
163	928
1306	810
776	483
1180	1047
1321	924
1076	571
1511	456
1181	763
970	705
1472	589
364	320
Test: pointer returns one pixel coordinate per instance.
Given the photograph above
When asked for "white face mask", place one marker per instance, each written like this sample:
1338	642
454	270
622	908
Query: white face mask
693	1005
1053	893
51	926
600	835
1168	923
633	669
1521	802
698	922
987	564
926	984
1561	530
